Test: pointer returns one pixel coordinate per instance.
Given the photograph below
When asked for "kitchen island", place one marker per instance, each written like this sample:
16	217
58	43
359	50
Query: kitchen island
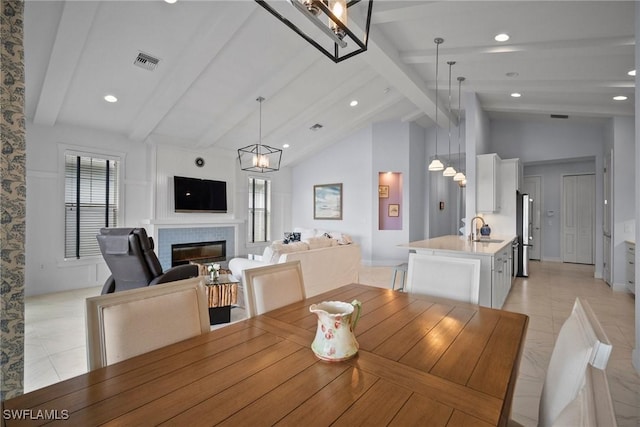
495	255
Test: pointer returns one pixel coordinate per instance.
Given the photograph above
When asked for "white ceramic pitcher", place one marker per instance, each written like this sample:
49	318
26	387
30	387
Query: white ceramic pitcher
337	320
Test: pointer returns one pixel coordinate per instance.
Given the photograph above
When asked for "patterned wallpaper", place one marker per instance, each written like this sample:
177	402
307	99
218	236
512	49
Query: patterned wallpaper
12	199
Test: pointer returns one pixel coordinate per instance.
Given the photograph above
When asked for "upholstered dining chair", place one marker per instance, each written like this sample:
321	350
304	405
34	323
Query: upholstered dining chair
128	323
272	286
581	343
442	276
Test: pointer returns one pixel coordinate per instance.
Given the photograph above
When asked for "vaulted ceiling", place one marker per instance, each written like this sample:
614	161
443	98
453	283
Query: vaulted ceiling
216	57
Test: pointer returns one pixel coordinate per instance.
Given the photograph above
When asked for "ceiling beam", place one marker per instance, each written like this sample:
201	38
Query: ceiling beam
275	83
73	32
571	110
538	50
385	58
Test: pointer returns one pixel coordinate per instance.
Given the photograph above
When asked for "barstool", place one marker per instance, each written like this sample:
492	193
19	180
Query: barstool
402	268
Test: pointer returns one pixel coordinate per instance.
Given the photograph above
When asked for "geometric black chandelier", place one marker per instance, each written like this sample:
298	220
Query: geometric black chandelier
337	28
259	157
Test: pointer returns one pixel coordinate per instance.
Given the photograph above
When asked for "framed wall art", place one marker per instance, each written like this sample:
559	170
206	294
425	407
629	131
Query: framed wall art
327	201
394	209
383	191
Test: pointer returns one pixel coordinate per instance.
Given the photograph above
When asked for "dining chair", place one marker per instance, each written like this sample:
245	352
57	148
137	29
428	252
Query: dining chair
272	286
592	406
125	324
581	343
443	276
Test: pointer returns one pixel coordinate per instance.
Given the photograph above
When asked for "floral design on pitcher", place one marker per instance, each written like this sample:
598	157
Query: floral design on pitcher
329	334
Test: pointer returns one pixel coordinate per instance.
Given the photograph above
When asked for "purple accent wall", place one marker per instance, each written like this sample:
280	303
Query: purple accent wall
394	181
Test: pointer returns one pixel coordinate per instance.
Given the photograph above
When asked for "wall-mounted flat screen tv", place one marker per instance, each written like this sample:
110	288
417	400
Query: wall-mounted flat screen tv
199	195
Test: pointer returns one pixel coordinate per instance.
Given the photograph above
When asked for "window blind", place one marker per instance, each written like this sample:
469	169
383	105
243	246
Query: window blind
91	202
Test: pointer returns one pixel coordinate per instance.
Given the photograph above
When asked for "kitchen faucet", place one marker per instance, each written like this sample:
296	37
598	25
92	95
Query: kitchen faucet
475	235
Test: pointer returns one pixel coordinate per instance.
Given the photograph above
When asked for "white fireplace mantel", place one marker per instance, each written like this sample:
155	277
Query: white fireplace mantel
197	222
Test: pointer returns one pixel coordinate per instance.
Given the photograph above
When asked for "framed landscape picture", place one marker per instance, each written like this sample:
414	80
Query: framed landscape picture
394	209
327	201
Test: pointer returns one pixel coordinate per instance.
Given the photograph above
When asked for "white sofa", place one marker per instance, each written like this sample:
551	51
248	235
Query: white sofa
325	265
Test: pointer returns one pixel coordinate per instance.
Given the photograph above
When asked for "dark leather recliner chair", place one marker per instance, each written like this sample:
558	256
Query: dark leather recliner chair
129	255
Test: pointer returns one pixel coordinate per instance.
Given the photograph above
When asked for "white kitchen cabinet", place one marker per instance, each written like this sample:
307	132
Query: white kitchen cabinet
488	183
495	263
631	267
501	276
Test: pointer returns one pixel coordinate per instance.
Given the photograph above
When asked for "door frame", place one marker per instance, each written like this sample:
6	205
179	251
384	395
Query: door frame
540	202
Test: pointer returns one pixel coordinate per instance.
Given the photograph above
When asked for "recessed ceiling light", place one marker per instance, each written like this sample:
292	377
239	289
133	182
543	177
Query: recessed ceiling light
110	98
620	98
170	1
501	37
285	145
516	95
353	103
632	73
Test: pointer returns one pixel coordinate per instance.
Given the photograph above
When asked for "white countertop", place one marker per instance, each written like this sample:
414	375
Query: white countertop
463	244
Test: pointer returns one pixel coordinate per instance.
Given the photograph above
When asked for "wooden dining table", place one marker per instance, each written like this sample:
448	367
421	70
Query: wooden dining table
422	361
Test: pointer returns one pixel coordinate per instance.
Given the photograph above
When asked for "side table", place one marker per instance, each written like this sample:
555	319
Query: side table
222	294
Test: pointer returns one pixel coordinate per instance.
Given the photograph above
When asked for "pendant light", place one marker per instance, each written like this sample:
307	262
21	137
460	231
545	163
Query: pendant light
259	157
449	171
460	178
436	165
338	39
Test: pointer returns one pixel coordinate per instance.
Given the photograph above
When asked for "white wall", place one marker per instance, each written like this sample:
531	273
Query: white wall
219	165
478	136
623	221
636	349
281	207
552	201
147	198
551	140
46	269
348	162
418	173
443	189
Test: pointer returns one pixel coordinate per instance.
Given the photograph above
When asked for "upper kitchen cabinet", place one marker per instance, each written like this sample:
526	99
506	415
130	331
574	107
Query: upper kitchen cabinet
488	183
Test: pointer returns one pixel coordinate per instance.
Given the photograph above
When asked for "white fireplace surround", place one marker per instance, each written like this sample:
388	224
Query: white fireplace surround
167	233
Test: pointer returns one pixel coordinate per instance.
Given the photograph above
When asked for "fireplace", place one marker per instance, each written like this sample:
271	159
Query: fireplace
200	252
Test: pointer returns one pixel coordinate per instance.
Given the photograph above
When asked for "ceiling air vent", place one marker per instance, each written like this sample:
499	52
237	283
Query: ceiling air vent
146	62
559	116
316	127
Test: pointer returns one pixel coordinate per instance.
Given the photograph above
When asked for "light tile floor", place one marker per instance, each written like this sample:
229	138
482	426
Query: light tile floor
55	346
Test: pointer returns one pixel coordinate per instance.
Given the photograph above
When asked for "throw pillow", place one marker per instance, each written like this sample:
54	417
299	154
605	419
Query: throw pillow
319	242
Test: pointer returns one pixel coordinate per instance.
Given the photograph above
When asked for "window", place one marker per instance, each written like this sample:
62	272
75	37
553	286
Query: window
259	228
90	202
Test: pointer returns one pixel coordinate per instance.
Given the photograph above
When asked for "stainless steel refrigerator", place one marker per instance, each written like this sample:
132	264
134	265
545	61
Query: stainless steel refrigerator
524	227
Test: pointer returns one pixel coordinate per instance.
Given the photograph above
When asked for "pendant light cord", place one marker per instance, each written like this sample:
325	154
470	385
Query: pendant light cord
438	41
451	63
260	99
460	80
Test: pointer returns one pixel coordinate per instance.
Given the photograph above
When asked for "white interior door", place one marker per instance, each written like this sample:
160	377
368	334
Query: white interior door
533	187
578	214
